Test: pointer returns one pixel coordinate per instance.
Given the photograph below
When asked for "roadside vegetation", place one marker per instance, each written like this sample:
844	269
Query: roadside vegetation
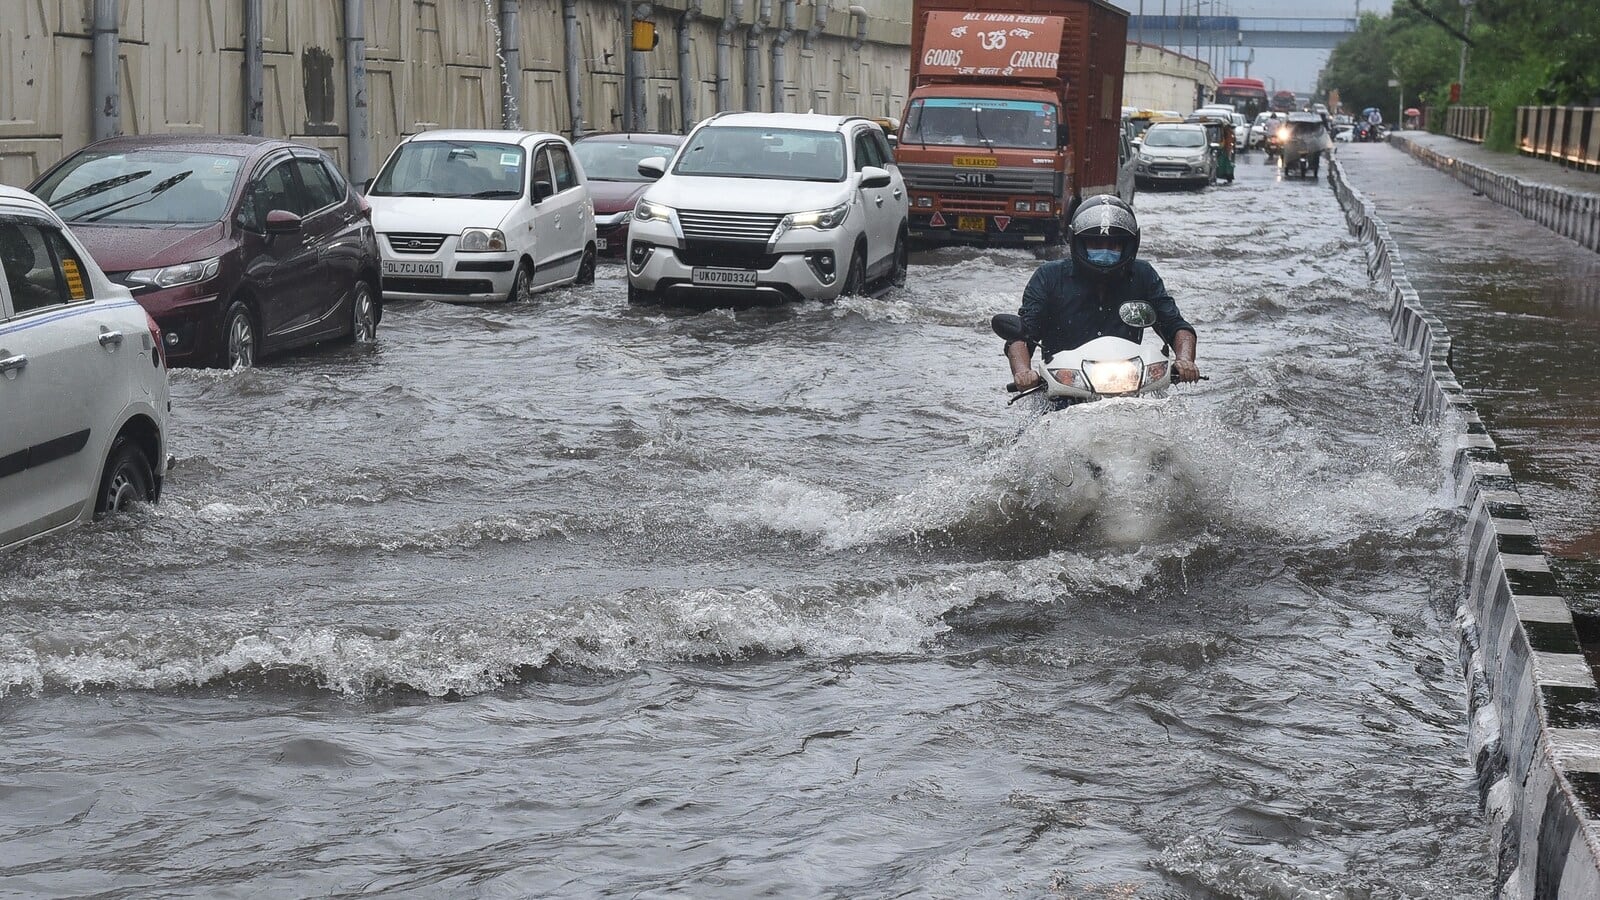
1523	53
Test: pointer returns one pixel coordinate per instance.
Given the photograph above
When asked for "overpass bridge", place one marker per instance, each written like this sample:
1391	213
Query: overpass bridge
1240	31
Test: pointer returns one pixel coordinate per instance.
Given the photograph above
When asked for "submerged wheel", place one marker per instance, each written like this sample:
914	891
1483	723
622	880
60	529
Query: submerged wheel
586	268
902	260
522	283
640	297
855	278
364	315
128	478
238	350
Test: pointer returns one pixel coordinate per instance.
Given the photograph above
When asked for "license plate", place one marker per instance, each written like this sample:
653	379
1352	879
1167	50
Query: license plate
600	244
724	277
972	223
427	269
1168	174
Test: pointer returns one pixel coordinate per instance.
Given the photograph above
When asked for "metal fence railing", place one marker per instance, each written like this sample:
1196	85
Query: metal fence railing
1469	123
1565	134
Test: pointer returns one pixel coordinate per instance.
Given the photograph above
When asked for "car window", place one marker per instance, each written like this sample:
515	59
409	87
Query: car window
319	189
885	149
476	170
866	151
566	178
41	269
142	187
273	189
541	169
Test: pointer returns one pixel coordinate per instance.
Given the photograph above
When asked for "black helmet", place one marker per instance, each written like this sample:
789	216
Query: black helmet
1104	216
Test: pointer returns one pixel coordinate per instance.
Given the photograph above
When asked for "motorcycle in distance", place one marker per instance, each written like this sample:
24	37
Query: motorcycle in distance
1103	367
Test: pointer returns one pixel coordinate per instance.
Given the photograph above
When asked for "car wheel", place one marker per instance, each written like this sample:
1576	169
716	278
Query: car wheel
521	284
128	478
239	341
640	297
855	279
364	315
586	268
902	260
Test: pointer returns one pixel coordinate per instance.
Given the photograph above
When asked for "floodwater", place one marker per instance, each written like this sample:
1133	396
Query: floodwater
571	599
1524	307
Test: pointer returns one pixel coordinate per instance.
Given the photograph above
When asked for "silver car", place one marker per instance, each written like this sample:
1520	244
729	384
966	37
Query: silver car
1175	153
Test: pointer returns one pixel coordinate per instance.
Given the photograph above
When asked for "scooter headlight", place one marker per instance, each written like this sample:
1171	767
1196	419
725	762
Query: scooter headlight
1120	376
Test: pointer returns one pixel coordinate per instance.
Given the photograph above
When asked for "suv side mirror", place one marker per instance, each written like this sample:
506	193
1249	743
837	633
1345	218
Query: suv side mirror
542	190
281	221
875	177
653	166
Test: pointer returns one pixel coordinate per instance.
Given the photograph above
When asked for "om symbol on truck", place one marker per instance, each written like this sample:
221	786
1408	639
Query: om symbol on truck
993	40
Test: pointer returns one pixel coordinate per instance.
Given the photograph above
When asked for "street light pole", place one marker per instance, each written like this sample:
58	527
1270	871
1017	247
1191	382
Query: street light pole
1461	76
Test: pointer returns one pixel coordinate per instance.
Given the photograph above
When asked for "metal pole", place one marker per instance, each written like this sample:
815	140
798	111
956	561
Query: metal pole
107	113
355	90
1141	23
639	111
629	61
510	65
1461	77
574	66
1163	23
780	69
254	74
686	67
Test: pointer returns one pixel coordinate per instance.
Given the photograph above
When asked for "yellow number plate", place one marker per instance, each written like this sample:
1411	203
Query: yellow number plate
972	223
977	162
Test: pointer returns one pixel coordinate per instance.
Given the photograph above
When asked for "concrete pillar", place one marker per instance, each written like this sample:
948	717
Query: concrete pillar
254	73
355	90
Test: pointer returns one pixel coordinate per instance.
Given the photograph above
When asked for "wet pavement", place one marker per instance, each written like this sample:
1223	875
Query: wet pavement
1528	168
1523	305
570	599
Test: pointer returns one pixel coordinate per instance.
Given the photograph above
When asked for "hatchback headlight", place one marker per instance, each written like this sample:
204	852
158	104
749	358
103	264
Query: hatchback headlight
482	240
174	276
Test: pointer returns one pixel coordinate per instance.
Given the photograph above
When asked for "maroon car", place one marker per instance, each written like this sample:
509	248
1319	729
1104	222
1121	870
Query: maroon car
237	246
611	167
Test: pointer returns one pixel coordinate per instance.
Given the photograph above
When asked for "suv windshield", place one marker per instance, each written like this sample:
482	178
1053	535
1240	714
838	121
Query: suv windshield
142	187
461	169
788	154
607	160
968	122
1174	137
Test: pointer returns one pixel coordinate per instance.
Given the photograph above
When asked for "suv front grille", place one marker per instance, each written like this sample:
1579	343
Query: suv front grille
426	244
730	254
728	226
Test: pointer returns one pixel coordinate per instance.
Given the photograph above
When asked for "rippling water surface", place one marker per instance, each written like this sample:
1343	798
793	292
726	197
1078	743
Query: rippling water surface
571	599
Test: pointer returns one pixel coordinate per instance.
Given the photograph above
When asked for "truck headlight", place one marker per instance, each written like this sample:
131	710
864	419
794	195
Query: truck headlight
482	240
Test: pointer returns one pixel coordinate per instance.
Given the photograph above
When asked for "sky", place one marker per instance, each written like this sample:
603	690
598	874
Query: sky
1294	70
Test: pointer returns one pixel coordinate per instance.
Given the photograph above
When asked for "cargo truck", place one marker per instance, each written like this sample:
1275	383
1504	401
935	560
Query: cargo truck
1013	116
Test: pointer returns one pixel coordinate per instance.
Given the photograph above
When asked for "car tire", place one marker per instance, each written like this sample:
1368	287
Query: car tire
126	478
521	283
364	315
240	345
640	297
855	277
586	267
902	259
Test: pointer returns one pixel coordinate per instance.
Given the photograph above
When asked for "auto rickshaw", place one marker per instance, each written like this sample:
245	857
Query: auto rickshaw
1144	118
1219	132
1304	143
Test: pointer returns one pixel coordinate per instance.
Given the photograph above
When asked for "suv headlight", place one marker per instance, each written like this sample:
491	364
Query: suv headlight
648	211
820	219
181	274
482	240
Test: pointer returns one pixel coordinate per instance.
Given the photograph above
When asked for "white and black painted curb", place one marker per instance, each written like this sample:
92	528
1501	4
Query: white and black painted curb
1534	708
1569	213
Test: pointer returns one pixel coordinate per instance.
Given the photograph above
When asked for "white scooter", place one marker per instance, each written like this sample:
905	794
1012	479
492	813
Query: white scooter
1103	367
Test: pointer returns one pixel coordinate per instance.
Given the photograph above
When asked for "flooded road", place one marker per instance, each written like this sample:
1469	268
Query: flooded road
570	599
1524	307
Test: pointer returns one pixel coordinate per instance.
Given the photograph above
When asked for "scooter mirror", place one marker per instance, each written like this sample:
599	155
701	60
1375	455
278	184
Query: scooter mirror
1009	327
1137	313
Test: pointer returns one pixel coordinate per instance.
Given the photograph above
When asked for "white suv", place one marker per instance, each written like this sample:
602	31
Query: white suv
770	206
478	216
83	383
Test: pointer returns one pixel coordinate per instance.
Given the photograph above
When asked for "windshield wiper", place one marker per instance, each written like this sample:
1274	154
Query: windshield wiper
488	195
978	126
99	187
127	203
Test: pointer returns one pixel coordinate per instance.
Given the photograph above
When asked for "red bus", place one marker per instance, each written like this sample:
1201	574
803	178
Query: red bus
1245	95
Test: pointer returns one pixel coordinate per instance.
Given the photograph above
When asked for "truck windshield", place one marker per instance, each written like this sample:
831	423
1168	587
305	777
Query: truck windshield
970	122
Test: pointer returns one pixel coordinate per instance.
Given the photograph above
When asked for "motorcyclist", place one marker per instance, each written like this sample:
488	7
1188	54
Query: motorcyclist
1072	301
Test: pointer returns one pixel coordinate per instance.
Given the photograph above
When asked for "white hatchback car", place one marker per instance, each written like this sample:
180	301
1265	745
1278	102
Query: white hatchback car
770	206
83	382
477	216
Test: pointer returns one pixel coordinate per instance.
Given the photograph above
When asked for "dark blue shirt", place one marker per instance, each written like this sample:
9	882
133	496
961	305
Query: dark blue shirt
1062	310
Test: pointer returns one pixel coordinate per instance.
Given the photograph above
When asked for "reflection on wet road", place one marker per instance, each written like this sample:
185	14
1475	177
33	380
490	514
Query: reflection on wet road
567	598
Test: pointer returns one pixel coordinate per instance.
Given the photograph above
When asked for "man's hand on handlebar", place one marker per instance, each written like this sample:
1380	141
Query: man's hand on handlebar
1025	379
1184	370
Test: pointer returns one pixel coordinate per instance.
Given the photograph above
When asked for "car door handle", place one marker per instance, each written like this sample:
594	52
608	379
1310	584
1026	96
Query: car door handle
897	193
878	199
109	339
13	364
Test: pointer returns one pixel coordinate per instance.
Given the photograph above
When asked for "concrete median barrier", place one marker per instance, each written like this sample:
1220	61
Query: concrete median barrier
1533	702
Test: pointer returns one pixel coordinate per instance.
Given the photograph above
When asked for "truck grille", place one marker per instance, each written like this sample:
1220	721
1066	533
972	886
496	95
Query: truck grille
728	226
973	203
426	244
989	181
